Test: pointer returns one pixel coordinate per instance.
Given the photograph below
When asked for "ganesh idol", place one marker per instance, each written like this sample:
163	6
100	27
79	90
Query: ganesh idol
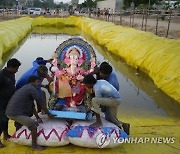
68	85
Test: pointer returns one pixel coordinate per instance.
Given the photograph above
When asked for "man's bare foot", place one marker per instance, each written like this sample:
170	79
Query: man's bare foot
59	107
126	128
7	136
1	145
73	104
42	112
96	124
38	148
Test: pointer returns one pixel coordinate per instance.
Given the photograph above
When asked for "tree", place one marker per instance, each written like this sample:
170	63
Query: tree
89	4
37	3
44	3
61	5
7	3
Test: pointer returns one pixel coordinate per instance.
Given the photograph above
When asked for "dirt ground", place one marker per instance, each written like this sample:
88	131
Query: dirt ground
159	27
162	27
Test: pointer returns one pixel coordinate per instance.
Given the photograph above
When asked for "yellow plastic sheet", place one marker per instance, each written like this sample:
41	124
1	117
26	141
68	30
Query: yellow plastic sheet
11	32
58	22
158	57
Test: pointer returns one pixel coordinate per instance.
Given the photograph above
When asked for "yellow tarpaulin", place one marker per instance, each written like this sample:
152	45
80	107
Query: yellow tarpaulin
158	57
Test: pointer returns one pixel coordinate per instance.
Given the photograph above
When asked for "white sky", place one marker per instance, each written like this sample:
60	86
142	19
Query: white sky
66	1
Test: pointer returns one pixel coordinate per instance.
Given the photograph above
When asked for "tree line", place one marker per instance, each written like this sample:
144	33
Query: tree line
36	3
86	4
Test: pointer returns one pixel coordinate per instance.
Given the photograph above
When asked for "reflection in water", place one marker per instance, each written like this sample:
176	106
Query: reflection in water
10	53
140	96
53	30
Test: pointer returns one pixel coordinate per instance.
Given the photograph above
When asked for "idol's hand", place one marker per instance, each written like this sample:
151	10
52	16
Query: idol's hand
80	77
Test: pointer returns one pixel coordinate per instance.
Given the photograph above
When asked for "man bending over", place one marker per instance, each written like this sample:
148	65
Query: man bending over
21	107
105	95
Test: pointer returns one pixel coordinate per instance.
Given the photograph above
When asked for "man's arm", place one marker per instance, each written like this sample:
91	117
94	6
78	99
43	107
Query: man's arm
38	99
49	78
35	113
44	108
98	93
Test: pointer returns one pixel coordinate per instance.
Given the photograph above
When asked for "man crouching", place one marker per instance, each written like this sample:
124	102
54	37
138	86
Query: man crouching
105	95
21	107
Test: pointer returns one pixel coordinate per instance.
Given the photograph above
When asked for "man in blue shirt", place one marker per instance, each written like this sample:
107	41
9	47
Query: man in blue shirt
106	73
38	69
105	95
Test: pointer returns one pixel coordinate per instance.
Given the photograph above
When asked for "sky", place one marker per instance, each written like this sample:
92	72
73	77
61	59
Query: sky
66	1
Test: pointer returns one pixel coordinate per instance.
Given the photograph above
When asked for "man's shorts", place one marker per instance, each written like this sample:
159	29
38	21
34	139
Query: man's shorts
25	120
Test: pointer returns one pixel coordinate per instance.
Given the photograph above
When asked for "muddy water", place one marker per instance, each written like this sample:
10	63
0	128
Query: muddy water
141	98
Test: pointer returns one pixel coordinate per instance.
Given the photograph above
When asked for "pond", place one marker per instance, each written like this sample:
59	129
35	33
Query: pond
141	98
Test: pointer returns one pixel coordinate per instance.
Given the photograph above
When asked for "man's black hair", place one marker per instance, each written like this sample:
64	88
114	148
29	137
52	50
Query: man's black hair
105	69
39	58
104	63
41	61
42	69
13	63
33	79
89	79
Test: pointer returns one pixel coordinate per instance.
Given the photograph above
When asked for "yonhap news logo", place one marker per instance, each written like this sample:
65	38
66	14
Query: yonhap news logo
143	140
102	140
